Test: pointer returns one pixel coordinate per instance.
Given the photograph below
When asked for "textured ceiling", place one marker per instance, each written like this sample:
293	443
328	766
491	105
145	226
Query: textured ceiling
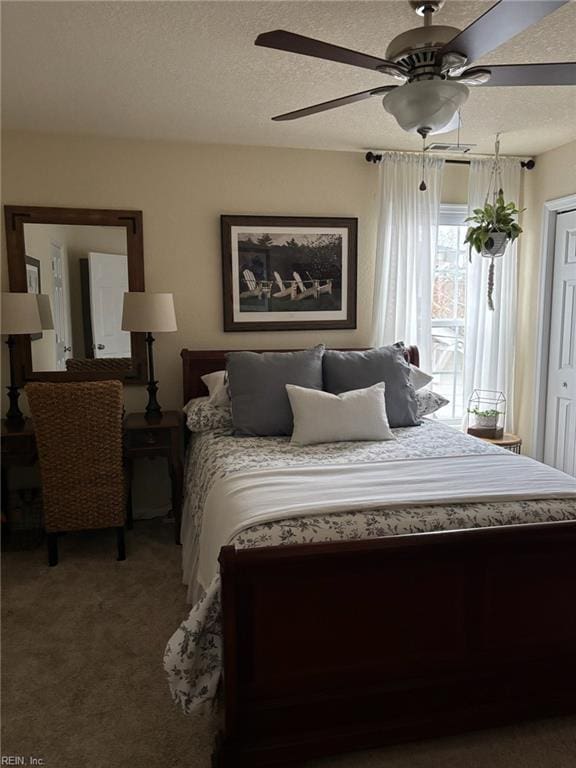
190	71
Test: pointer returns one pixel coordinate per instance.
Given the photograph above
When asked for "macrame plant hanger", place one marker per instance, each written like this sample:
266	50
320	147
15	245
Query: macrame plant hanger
494	191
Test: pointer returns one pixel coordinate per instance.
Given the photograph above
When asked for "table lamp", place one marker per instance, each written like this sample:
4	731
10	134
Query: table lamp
149	313
20	315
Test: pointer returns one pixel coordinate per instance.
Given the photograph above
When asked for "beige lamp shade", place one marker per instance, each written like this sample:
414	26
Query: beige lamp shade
45	311
20	314
148	312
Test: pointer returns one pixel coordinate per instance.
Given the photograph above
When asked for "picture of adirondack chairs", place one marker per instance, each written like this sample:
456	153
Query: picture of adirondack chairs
289	290
288	272
294	289
314	289
258	288
298	289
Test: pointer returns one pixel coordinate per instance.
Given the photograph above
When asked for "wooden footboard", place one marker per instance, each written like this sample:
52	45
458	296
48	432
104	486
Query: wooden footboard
341	646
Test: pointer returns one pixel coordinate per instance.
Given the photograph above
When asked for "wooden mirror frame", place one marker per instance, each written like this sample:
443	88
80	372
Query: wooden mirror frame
15	216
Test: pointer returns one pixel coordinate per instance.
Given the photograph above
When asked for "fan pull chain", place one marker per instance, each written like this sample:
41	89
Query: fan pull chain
423	186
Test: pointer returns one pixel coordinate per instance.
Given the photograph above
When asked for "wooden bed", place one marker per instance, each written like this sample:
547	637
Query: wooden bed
332	647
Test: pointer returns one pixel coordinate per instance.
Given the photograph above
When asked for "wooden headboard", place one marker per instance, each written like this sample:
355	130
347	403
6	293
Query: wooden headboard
197	363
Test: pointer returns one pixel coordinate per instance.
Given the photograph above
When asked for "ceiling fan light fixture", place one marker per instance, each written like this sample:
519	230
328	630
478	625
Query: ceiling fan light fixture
427	104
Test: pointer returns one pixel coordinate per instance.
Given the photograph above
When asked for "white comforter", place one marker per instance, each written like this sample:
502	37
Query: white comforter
246	499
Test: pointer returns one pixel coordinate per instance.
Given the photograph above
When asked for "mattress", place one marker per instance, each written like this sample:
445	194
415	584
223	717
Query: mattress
193	655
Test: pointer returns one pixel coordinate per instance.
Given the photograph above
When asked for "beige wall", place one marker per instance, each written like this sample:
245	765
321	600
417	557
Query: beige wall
554	176
182	189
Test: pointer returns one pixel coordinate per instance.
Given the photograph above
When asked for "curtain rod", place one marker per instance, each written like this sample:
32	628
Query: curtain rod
371	157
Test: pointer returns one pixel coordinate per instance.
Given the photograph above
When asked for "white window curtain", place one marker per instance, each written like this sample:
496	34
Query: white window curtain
490	337
407	229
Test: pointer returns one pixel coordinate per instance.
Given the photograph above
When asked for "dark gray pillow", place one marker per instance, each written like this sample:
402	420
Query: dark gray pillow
257	384
344	371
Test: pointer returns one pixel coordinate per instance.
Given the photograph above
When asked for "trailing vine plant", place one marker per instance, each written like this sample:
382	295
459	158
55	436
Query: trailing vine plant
492	219
494	226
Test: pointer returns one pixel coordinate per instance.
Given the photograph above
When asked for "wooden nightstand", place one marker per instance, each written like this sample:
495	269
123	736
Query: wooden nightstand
18	450
508	440
161	436
18	444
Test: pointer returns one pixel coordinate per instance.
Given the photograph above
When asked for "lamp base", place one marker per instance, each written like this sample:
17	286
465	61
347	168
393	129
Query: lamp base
14	416
153	407
153	410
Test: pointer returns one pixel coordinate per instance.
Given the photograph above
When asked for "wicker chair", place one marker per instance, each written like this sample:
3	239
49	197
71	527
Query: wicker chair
79	437
98	365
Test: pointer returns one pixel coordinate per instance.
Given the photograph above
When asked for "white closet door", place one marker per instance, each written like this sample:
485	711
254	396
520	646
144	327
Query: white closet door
560	441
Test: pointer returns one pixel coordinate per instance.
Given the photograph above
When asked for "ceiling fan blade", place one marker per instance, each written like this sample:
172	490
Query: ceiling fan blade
532	74
308	46
500	23
334	103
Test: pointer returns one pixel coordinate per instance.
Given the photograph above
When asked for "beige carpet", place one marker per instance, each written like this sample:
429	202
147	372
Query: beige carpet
84	687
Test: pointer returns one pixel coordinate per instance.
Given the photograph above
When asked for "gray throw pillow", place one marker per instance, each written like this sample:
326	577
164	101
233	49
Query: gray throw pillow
359	369
257	384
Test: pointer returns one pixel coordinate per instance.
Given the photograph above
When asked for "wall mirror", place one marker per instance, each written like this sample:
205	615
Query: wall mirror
84	260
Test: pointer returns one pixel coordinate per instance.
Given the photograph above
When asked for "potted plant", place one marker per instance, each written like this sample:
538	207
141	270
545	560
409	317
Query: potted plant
487	419
492	228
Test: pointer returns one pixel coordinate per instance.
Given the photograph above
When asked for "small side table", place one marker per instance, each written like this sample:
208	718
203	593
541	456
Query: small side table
159	436
508	440
18	450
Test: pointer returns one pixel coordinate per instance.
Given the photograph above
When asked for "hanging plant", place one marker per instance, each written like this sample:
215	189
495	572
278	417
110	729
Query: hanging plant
494	227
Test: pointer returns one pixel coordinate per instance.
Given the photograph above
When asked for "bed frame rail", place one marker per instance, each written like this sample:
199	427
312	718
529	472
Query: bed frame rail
340	646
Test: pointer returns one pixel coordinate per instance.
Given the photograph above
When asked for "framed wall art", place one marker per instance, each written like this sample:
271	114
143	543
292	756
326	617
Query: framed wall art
289	273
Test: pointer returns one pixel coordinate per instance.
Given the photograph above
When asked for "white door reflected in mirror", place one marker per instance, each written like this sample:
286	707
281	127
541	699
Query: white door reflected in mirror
108	283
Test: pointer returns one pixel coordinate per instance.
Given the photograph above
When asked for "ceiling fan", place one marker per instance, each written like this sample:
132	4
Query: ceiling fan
433	63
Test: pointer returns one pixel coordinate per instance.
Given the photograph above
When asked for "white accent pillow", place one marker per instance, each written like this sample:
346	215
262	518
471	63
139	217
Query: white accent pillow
321	417
419	378
217	385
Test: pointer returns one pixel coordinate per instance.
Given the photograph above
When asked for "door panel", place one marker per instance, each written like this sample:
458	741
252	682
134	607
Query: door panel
560	441
108	283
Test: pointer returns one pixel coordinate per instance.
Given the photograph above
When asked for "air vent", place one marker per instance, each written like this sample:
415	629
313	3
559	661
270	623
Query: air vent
455	148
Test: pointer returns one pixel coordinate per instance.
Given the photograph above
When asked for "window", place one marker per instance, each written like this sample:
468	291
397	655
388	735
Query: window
448	305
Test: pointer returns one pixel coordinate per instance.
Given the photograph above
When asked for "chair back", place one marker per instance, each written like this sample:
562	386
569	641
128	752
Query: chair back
98	364
78	430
